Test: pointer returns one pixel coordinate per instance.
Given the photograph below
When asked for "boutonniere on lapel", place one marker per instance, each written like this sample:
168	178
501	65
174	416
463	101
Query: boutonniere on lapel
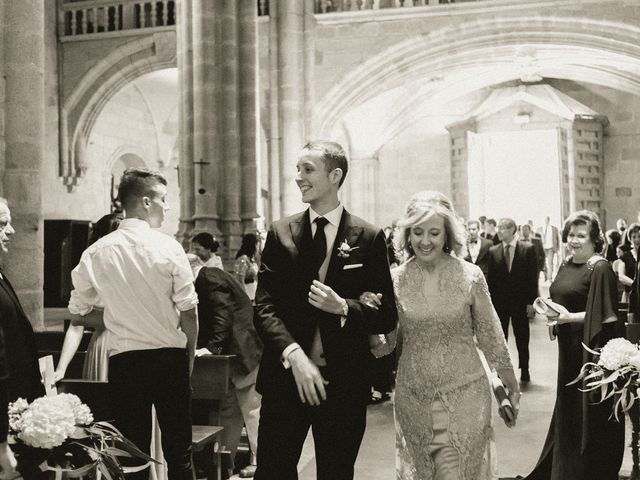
344	250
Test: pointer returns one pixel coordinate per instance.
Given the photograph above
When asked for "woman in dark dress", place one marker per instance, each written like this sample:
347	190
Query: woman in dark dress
582	443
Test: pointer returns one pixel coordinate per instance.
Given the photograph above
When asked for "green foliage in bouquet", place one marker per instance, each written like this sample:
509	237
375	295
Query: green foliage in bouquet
58	434
617	374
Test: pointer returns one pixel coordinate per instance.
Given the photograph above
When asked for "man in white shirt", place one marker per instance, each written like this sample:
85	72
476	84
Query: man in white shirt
143	279
551	244
314	370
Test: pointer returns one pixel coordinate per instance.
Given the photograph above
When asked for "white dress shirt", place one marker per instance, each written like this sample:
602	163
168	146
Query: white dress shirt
474	249
143	279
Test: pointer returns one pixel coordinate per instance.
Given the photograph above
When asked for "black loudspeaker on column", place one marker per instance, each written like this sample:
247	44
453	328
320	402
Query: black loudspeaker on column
64	242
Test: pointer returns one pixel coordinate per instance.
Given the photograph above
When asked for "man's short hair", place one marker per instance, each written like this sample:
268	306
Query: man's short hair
207	240
509	223
482	219
332	154
137	183
491	221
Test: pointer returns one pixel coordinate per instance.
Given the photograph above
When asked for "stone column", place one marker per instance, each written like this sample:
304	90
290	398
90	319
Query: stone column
363	185
206	111
248	86
231	131
185	86
289	18
24	114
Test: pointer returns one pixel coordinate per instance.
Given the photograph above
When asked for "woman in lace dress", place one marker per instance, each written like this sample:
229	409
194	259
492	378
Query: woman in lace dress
443	399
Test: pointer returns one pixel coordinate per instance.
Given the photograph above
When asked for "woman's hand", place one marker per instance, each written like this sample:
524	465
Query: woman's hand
59	374
8	462
373	300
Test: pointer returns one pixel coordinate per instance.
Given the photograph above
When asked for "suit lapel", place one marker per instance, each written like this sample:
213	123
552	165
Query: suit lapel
348	232
11	292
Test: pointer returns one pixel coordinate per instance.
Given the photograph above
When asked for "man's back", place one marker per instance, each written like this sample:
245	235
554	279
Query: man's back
142	278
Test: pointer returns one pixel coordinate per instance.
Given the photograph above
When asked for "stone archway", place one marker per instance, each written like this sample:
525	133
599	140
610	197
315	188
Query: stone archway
477	54
80	109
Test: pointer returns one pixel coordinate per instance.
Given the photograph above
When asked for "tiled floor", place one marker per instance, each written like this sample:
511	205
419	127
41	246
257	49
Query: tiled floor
518	448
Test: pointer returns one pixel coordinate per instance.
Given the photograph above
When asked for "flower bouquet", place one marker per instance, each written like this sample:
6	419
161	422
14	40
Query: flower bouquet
56	433
617	374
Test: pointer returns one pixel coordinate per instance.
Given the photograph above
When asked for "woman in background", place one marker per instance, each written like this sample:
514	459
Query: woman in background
97	357
246	266
583	443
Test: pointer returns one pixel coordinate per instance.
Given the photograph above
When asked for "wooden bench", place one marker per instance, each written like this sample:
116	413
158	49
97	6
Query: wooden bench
210	381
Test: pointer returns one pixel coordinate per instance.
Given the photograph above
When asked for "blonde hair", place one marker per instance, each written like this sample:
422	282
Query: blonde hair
421	207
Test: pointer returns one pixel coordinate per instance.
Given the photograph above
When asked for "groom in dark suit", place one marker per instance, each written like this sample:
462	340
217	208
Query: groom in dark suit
513	284
314	370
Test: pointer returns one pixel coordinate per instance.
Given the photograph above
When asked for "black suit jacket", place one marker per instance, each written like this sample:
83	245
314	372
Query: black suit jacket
225	318
537	244
20	352
482	260
519	287
284	315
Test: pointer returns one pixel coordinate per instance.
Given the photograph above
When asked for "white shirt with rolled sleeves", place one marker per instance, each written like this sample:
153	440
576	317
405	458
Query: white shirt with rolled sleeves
143	279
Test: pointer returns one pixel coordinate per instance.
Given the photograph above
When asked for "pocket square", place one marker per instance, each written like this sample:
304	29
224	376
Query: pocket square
353	265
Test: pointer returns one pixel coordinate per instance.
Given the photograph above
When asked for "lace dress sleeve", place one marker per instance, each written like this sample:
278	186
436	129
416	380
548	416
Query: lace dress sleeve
486	325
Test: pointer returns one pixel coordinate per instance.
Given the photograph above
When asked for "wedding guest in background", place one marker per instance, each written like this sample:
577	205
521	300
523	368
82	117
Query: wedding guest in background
477	247
246	265
527	237
442	388
143	279
583	442
225	317
96	360
625	268
19	372
481	220
314	371
613	239
205	246
490	231
513	283
633	235
621	226
551	243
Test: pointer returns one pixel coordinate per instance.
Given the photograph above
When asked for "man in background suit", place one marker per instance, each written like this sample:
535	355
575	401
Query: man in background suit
551	243
314	370
225	319
478	247
19	372
526	237
490	232
513	284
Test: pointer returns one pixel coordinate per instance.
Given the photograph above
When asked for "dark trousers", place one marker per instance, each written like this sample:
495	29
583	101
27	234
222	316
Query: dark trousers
518	316
382	373
142	378
337	425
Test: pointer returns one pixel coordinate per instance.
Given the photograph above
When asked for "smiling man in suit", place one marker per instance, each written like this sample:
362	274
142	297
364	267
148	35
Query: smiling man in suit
513	284
313	372
478	247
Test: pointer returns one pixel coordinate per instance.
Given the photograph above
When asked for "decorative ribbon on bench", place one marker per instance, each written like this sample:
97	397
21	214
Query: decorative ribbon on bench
61	473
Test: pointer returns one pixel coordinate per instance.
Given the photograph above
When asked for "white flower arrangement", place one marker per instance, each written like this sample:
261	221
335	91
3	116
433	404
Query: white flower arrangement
617	374
58	431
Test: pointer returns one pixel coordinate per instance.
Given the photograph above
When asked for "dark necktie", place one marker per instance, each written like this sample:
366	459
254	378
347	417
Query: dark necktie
507	256
320	241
